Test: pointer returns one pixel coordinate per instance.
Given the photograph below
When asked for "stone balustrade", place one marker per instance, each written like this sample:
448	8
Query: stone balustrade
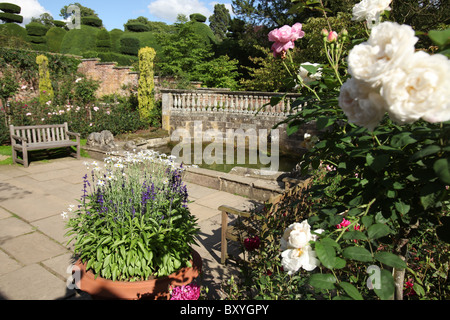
223	101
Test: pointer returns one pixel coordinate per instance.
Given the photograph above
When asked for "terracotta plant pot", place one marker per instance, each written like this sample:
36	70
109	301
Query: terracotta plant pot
154	289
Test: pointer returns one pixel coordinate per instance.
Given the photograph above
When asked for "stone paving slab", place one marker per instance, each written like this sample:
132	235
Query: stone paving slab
33	252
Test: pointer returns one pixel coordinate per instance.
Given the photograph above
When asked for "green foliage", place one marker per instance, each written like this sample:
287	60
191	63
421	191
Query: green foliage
137	27
115	35
121	59
10	17
8	85
9	7
36	29
136	225
220	72
219	22
129	45
146	83
46	92
92	21
77	41
204	31
103	41
85	89
197	17
268	75
13	30
55	37
182	53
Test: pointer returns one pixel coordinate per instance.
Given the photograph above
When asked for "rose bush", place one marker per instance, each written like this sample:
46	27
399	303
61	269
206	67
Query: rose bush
387	187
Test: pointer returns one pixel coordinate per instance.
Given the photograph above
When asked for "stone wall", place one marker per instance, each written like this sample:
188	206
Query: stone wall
112	78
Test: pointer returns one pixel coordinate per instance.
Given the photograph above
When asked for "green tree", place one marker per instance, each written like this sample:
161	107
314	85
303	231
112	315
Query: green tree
220	72
182	52
219	22
46	19
45	84
146	83
84	11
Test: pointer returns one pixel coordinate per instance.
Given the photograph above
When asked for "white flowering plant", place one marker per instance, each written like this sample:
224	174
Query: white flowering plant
132	222
383	125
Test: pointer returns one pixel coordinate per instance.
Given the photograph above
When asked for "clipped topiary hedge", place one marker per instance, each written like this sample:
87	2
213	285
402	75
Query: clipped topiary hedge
197	17
10	17
137	27
55	37
129	45
9	7
36	39
36	29
59	24
103	42
92	21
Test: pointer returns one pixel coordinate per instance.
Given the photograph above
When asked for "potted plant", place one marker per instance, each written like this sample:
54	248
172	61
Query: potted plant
132	231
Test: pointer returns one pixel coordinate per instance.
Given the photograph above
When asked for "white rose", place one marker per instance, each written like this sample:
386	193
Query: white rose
298	235
389	46
294	259
370	10
308	78
420	89
362	104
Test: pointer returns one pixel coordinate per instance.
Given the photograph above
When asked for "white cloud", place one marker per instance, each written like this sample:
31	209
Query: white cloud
168	10
29	9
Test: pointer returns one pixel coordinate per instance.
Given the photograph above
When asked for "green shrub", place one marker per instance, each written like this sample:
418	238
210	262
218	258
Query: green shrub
115	35
103	42
9	7
137	27
204	31
36	39
36	29
92	21
129	45
13	30
46	92
77	41
197	17
4	130
59	24
55	37
10	17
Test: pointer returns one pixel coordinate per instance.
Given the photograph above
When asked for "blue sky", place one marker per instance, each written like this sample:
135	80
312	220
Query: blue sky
115	13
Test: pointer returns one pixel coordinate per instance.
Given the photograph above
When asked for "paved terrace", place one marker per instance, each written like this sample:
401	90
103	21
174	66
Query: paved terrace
34	257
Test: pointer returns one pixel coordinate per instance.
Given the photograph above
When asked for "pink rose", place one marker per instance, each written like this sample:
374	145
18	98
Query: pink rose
284	38
332	36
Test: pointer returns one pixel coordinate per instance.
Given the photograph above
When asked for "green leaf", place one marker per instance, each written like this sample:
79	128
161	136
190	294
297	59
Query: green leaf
351	290
378	162
322	281
402	139
357	253
323	122
426	152
390	259
378	230
326	254
440	37
354	235
443	232
402	207
387	286
441	168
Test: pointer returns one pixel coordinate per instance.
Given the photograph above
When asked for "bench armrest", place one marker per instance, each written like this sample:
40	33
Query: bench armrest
73	133
235	211
19	138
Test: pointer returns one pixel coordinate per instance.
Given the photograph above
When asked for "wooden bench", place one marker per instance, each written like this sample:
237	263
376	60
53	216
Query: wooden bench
293	188
40	137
